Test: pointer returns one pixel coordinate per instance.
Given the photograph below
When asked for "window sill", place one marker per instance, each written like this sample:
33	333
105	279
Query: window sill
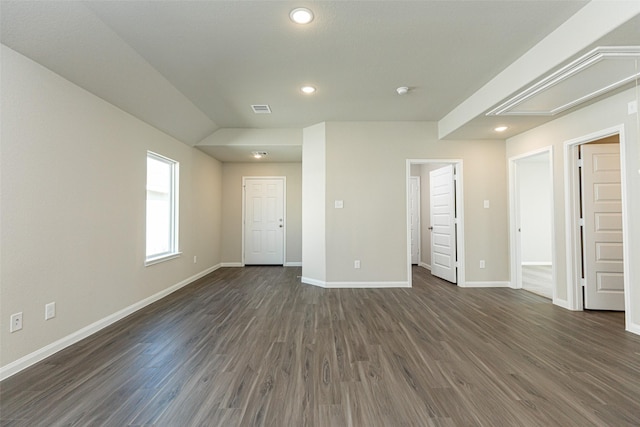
161	258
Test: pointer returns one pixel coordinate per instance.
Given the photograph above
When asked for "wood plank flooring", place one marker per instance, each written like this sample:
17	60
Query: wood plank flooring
253	346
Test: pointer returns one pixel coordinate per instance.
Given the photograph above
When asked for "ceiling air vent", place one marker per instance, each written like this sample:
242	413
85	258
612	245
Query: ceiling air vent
261	109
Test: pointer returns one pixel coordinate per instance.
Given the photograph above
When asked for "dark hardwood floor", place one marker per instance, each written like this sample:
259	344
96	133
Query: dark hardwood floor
253	346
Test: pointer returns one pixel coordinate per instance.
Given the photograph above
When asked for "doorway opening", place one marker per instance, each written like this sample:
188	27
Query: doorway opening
440	239
532	226
597	214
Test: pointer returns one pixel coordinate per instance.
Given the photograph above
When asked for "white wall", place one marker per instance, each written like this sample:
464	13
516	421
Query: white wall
314	266
232	174
602	115
366	168
73	181
535	209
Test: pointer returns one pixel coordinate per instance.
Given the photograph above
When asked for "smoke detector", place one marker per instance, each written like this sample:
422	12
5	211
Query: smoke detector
402	90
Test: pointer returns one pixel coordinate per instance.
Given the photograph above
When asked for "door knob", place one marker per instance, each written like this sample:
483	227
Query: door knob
430	228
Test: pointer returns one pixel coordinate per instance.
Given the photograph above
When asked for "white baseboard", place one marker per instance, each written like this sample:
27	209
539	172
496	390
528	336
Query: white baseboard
561	303
425	265
634	328
293	264
50	349
350	285
469	284
541	263
231	264
314	282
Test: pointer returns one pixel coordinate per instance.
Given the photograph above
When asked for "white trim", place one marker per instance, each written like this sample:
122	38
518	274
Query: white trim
633	327
293	264
458	182
50	349
572	208
231	264
487	285
419	202
314	282
351	285
284	212
534	263
424	265
584	62
561	303
162	258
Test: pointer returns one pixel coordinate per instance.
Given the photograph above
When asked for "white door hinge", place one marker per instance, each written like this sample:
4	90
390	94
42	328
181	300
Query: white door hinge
581	222
579	163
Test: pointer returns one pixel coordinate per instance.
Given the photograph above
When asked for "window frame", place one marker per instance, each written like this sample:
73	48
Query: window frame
174	186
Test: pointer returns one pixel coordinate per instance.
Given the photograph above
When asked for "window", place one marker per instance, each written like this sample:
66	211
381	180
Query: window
162	208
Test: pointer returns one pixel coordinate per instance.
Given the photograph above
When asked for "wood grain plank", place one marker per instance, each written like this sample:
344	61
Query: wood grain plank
253	346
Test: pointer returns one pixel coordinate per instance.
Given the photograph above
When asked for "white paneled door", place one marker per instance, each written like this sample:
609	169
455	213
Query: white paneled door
602	215
264	221
443	226
414	206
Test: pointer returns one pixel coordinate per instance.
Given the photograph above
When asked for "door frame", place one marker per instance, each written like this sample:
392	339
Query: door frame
572	210
457	167
284	212
419	201
514	215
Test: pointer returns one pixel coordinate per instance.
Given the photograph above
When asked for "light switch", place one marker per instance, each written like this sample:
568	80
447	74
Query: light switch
486	204
339	204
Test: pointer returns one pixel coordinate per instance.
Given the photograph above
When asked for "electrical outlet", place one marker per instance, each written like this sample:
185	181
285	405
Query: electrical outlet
16	322
356	263
632	107
50	311
195	259
481	263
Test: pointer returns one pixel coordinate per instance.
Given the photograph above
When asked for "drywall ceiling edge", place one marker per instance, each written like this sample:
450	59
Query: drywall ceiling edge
589	24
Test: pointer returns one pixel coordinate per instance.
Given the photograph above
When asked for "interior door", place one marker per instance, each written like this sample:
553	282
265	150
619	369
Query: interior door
414	206
264	221
602	229
442	202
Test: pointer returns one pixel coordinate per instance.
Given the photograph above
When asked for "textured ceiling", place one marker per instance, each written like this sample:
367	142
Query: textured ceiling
225	56
190	68
194	68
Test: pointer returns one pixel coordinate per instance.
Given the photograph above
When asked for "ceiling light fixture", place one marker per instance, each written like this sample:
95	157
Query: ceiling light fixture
501	128
308	89
402	90
259	154
301	15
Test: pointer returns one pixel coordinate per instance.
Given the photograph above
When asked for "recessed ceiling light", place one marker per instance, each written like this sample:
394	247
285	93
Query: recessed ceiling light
501	128
301	15
259	154
308	89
